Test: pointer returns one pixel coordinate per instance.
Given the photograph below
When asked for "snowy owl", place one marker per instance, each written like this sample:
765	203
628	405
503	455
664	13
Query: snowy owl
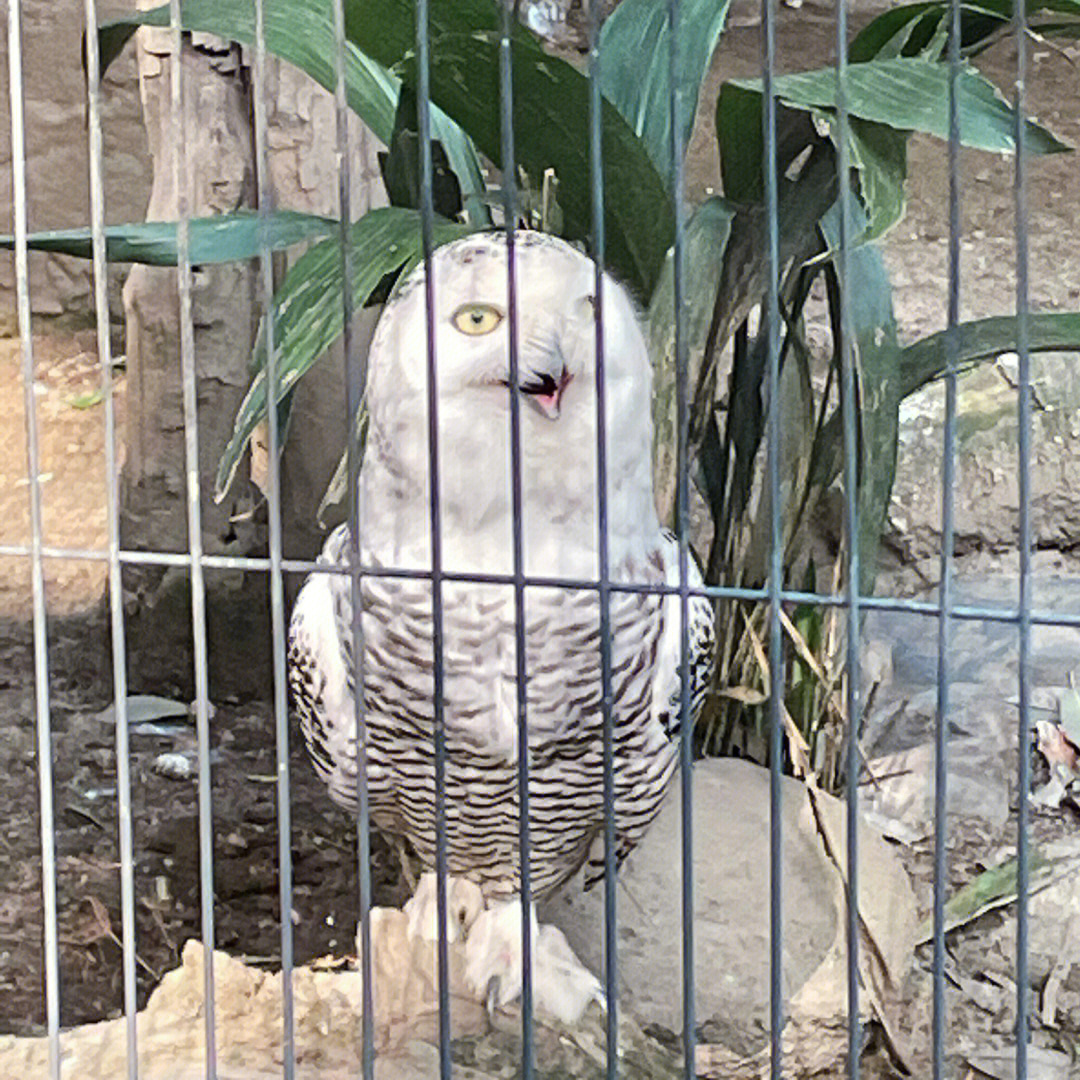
559	492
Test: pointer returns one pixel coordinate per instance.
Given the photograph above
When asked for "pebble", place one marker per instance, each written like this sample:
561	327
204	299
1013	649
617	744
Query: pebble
174	766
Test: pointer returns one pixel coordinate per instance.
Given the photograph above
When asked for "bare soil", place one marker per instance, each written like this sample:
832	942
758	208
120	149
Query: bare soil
246	912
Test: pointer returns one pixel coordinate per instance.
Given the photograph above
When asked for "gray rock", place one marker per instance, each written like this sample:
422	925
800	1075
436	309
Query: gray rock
986	492
731	902
899	729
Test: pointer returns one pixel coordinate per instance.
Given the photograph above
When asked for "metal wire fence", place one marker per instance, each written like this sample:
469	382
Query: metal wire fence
36	552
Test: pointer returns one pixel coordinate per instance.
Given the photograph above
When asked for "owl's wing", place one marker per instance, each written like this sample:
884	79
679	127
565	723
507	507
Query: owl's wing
701	633
319	672
635	803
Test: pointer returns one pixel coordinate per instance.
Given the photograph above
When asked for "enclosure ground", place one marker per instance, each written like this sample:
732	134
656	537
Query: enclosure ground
164	810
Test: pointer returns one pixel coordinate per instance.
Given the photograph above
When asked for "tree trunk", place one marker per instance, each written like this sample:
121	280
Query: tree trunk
226	305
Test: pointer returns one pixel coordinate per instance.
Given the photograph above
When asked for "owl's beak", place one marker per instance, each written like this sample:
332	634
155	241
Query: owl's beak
546	391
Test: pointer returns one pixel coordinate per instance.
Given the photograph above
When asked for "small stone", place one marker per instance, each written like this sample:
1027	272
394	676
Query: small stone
174	766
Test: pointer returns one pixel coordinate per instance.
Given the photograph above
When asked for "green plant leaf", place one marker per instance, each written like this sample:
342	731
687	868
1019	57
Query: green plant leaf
87	400
802	199
551	112
222	238
551	102
337	488
993	888
307	310
876	351
879	153
912	94
635	67
892	375
981	339
984	339
916	29
746	417
302	32
741	140
401	168
706	236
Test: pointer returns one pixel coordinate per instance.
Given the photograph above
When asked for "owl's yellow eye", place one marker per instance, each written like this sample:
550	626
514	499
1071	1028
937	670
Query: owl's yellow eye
476	319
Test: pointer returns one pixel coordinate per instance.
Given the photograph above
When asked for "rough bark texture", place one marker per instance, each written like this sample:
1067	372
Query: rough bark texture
219	142
304	175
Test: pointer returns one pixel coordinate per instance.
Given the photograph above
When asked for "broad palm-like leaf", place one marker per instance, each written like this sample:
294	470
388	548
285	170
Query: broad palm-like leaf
308	309
222	238
551	101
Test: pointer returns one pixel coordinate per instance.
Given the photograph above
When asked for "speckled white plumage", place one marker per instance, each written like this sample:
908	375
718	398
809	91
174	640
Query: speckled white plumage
557	347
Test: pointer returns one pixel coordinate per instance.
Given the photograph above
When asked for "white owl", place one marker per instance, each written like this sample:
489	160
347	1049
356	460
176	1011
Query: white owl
556	387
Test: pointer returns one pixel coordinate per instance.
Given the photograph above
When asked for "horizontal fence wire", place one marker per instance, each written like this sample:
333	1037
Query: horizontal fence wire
965	612
1023	614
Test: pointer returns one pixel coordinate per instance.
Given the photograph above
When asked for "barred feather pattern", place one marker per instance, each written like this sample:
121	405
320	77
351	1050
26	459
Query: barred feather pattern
564	712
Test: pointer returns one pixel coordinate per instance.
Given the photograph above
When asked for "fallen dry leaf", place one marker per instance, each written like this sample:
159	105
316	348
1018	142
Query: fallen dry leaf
1054	745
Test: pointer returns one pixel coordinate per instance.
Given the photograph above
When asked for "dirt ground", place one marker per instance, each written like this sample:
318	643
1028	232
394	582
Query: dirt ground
164	810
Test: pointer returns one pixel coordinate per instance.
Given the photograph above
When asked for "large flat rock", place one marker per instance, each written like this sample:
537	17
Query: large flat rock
731	904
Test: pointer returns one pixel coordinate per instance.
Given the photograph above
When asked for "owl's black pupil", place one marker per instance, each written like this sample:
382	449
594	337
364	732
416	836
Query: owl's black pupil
477	317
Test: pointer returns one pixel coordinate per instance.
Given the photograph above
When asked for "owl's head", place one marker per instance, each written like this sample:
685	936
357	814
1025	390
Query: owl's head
555	383
555	329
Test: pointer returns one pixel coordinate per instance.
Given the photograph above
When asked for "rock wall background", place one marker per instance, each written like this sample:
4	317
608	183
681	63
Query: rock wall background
58	186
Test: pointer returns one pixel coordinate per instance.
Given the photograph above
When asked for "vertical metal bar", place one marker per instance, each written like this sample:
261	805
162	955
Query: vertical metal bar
355	381
427	216
771	328
948	480
686	742
596	187
509	184
112	489
195	545
37	567
851	530
1023	859
264	201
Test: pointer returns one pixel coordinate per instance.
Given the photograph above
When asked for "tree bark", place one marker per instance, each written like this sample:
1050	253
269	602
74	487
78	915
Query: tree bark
219	143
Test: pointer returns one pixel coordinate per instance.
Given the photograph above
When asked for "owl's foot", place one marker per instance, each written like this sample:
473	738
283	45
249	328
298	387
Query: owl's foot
464	904
562	986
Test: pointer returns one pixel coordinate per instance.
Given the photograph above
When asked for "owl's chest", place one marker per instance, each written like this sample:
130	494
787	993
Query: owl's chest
479	671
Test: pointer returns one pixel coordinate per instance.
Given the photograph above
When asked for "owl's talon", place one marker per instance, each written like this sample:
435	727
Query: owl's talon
491	998
464	903
562	986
